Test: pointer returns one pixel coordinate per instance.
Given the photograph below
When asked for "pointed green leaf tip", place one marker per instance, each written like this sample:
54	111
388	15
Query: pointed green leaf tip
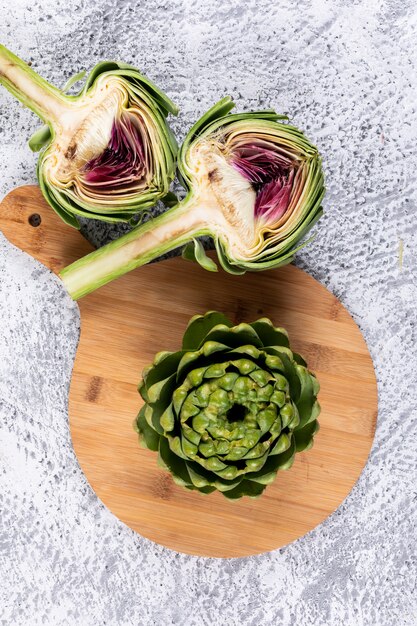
194	251
230	409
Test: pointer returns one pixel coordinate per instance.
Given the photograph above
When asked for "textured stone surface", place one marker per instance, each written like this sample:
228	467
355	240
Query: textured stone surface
345	71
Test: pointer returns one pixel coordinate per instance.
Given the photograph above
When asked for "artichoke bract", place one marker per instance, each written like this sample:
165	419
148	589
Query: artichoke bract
255	185
106	153
231	408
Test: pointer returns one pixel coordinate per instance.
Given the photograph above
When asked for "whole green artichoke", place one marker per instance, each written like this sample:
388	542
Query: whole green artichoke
229	409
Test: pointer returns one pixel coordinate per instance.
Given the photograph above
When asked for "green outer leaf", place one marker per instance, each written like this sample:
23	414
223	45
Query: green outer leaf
299	359
161	389
206	490
286	459
304	436
307	398
289	371
200	476
158	408
269	335
267	474
73	80
194	251
40	138
199	326
246	488
163	369
148	435
240	335
173	463
167	419
281	445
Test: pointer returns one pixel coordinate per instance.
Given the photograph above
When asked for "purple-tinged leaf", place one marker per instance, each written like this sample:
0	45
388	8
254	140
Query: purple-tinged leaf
271	174
123	161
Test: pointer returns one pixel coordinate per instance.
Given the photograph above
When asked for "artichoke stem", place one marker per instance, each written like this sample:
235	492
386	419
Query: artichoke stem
32	90
143	244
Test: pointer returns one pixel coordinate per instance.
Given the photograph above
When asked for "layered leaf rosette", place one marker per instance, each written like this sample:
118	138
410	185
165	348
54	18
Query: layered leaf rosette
230	409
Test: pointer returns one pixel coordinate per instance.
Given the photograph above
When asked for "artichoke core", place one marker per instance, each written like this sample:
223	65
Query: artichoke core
123	159
271	175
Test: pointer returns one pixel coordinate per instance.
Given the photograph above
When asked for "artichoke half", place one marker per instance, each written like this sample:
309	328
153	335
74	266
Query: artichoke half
260	182
255	185
106	153
230	409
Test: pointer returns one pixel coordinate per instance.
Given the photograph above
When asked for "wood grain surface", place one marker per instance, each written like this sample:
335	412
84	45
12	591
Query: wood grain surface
126	322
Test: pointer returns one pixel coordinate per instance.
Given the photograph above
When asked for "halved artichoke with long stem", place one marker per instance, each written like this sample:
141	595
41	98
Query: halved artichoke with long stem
106	153
255	185
231	408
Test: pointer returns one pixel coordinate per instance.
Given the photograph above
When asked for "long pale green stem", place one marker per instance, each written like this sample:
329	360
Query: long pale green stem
140	246
31	89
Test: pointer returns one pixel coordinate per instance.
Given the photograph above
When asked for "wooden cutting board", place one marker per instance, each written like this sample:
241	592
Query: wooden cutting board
126	322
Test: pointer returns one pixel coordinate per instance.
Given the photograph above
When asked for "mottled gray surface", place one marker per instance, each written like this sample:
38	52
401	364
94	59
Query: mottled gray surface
345	71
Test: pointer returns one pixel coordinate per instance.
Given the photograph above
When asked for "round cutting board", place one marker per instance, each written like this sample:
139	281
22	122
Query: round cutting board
126	322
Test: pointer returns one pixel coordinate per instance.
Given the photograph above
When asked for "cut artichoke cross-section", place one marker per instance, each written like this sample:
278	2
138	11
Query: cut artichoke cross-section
255	186
107	152
266	179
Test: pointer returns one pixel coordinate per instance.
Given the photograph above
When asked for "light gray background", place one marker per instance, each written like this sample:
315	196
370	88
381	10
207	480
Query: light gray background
345	72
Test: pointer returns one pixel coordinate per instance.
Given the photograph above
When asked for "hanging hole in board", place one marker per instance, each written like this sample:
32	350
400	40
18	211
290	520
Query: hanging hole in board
35	220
